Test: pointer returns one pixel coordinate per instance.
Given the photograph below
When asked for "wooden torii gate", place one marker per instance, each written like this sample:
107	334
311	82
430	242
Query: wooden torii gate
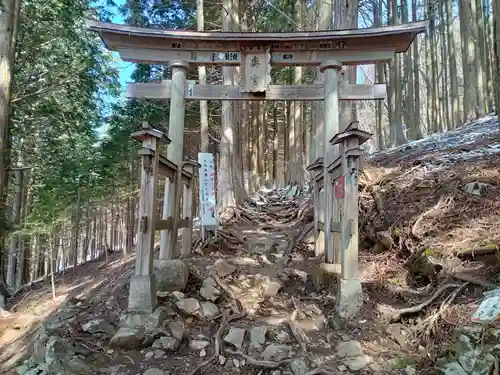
255	54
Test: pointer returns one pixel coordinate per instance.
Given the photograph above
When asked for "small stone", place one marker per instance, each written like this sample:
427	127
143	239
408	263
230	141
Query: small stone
222	360
157	344
235	337
342	368
149	355
299	366
98	326
169	343
209	290
178	295
209	310
110	351
275	352
410	370
236	363
348	349
272	289
189	306
224	268
258	336
198	344
276	372
282	336
203	353
127	338
159	354
153	371
385	239
177	330
357	363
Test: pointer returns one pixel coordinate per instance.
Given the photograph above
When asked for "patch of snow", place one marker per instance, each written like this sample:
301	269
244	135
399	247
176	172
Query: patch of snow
438	146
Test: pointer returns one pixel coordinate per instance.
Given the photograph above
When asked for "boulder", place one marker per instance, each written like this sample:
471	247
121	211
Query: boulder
171	275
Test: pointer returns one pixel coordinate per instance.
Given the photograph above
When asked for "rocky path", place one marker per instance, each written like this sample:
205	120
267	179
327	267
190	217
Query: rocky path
252	305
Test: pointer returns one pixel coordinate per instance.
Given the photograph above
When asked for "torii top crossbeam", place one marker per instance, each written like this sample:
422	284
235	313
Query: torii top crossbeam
159	46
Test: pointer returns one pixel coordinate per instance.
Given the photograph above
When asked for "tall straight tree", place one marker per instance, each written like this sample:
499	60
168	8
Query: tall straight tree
9	19
202	77
225	188
346	17
496	49
452	60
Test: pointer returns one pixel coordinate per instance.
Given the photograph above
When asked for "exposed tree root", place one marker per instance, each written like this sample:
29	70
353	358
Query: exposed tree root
432	320
396	315
256	362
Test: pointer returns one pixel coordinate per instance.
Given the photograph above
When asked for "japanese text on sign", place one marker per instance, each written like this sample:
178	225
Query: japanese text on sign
207	189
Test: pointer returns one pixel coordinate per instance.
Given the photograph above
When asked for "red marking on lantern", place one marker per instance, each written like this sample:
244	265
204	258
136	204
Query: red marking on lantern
339	187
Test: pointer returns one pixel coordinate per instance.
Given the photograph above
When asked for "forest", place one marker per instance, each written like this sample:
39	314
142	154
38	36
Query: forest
69	169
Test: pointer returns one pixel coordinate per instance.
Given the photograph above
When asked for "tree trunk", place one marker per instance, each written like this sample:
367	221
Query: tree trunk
202	77
12	262
452	59
9	20
225	188
496	53
468	61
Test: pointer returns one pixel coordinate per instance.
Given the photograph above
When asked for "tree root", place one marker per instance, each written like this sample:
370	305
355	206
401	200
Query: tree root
432	321
396	315
257	362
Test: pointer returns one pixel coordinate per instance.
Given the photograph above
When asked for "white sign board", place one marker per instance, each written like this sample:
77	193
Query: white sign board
207	190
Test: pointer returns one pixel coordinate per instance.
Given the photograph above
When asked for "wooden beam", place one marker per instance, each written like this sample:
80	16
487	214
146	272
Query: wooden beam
162	91
167	169
234	58
167	223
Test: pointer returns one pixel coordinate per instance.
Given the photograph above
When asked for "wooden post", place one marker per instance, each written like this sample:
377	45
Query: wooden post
343	178
165	215
142	294
330	70
174	154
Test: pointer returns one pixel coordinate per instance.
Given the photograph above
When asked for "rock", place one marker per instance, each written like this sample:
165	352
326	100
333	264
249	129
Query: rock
177	330
357	363
149	355
154	371
224	268
477	188
171	275
260	246
222	360
410	370
159	354
235	337
276	372
127	338
281	336
236	363
385	239
276	352
98	326
209	290
342	368
271	288
169	343
209	310
149	323
203	353
299	366
189	306
198	344
258	336
398	333
348	349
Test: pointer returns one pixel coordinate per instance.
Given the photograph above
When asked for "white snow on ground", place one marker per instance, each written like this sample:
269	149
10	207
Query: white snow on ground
441	148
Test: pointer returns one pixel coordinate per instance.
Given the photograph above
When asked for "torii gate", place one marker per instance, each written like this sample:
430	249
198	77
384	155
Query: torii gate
256	54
